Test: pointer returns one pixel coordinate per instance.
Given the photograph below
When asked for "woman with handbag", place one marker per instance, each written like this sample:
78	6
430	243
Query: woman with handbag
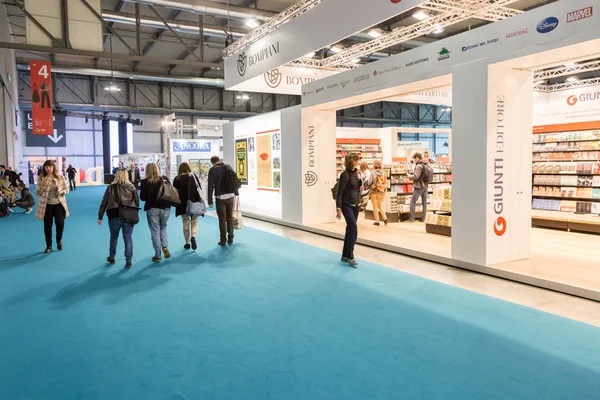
192	205
121	204
52	204
157	212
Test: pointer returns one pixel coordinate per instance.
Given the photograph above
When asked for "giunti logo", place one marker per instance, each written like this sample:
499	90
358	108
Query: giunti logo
572	100
500	226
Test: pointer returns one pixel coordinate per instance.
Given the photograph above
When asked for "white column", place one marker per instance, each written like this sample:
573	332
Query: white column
318	165
491	190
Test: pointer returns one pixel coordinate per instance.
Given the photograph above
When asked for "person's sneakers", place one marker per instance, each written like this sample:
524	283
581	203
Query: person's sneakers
48	250
194	246
110	260
386	222
10	210
28	211
344	259
59	245
352	263
376	224
186	246
221	243
166	252
156	259
128	264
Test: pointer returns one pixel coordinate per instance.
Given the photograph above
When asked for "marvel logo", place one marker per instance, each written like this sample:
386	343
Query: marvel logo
580	14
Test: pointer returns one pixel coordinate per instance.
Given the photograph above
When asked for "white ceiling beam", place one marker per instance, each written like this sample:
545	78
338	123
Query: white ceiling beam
567	85
567	70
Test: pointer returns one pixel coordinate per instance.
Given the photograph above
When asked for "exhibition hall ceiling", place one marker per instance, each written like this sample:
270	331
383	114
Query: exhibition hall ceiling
219	17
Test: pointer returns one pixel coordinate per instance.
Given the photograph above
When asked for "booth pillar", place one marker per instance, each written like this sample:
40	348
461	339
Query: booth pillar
318	165
492	144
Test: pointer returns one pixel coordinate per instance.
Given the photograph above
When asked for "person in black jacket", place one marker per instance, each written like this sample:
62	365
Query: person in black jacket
348	204
134	175
187	184
158	214
26	201
71	173
222	188
119	192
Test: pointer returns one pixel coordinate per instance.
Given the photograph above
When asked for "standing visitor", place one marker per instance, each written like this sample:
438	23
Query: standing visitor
52	205
420	178
71	172
187	184
378	189
119	193
222	183
348	202
157	214
134	175
366	176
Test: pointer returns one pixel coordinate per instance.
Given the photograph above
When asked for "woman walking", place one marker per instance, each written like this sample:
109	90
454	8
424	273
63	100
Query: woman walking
157	213
348	204
188	186
119	193
52	204
378	189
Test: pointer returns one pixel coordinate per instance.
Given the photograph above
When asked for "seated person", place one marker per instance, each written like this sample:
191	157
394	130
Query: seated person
4	206
26	201
8	190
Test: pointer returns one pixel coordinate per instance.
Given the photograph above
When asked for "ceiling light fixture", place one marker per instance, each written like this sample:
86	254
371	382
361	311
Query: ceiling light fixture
336	49
309	55
355	61
252	23
438	29
572	79
569	64
421	15
375	33
540	82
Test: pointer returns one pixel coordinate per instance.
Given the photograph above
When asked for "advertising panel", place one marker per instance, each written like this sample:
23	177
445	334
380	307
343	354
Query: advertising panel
41	97
57	139
264	160
241	160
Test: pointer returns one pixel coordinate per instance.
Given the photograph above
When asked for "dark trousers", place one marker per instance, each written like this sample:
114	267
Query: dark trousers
23	204
117	225
72	184
225	213
56	213
351	216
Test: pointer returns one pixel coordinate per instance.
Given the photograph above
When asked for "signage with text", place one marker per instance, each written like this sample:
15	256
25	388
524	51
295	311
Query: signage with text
58	138
187	146
41	97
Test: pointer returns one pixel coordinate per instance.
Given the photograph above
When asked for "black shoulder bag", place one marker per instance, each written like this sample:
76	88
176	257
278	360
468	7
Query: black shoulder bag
126	213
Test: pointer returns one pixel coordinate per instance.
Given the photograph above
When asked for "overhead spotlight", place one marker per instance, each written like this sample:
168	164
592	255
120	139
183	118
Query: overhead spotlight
336	49
569	64
375	33
539	82
572	79
252	23
421	15
309	55
355	61
438	29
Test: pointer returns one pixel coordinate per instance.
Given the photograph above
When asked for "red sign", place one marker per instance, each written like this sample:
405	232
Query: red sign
41	98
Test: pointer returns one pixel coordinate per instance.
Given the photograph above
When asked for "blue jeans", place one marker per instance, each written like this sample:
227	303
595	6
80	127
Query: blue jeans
351	216
157	222
115	225
422	193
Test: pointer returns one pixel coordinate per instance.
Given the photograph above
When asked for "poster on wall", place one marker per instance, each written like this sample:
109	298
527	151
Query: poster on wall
195	166
41	97
277	141
251	148
241	160
264	161
205	166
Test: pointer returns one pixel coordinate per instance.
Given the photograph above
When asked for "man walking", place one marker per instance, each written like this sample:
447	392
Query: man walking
223	184
421	178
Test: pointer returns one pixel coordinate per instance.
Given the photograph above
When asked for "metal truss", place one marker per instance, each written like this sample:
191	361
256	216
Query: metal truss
567	85
567	70
450	12
268	27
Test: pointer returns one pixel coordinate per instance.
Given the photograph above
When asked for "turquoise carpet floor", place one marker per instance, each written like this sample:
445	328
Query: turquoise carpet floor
268	318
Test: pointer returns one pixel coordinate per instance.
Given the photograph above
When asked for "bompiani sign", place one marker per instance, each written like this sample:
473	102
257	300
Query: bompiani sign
248	61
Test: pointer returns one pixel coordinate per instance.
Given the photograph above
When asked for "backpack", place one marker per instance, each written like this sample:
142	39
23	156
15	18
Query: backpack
427	175
334	191
380	184
230	183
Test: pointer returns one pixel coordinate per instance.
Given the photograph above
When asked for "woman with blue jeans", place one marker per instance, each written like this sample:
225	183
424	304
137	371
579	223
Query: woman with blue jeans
157	213
348	203
120	192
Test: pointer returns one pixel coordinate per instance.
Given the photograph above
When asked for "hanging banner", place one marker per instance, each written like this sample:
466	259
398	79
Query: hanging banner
41	97
283	80
310	31
264	161
241	156
57	139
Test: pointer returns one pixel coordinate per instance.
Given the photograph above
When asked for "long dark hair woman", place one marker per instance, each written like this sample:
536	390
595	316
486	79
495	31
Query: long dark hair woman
52	205
120	193
188	186
348	205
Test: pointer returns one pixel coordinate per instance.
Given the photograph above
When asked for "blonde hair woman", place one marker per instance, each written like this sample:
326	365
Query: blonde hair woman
52	204
378	189
119	193
186	184
157	213
348	203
